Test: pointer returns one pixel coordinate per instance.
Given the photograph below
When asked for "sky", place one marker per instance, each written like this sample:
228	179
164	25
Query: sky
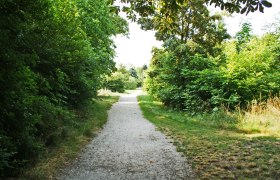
136	50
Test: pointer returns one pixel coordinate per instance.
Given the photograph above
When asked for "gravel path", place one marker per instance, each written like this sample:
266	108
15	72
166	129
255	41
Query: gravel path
129	147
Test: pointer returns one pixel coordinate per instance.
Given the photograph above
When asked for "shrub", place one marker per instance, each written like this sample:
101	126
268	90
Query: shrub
185	78
131	83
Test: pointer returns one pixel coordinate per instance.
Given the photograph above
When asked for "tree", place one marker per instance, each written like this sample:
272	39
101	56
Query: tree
116	82
253	70
53	55
243	36
189	71
192	22
122	79
141	74
144	67
133	72
148	8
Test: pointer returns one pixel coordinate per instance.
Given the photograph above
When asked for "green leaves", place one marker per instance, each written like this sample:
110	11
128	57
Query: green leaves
124	79
254	5
184	76
150	8
243	36
53	56
191	21
266	3
243	10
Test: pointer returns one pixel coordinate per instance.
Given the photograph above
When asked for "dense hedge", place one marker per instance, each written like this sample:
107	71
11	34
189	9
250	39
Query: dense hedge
52	57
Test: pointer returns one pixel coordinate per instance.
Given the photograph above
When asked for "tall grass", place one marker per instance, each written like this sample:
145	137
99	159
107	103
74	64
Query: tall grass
261	117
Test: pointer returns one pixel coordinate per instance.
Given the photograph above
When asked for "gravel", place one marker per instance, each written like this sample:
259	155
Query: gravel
129	147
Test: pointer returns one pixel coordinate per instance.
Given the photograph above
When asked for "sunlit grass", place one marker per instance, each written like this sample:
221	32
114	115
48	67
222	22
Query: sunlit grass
262	118
91	119
215	145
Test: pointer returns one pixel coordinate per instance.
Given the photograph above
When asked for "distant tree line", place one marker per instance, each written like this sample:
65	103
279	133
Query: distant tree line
125	78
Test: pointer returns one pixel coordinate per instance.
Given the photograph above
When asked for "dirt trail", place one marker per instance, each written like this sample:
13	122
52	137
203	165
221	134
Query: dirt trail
129	147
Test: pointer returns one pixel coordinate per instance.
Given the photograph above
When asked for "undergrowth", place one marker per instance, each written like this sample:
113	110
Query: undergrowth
90	119
217	145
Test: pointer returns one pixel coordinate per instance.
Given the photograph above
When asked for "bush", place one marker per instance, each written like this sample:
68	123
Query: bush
52	57
116	82
116	85
183	78
124	79
131	83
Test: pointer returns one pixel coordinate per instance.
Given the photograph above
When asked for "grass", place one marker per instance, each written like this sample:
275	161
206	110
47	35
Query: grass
91	119
215	144
263	118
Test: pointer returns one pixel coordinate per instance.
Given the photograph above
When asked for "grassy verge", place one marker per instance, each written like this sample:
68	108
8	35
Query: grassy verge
215	145
91	119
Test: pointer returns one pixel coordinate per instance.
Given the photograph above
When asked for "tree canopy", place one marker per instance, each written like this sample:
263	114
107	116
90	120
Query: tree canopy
53	55
188	77
166	7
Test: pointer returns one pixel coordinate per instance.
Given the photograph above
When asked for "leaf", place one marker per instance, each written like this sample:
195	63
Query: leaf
243	10
266	3
254	2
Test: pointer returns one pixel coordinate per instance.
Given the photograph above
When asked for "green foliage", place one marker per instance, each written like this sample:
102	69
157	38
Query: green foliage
141	75
191	22
254	71
90	119
185	76
243	36
132	72
180	72
131	83
116	82
149	8
52	57
183	79
124	79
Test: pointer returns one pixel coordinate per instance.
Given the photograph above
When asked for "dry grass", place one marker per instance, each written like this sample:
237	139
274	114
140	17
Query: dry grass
262	118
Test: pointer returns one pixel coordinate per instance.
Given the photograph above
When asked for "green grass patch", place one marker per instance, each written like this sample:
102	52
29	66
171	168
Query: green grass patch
214	144
90	120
